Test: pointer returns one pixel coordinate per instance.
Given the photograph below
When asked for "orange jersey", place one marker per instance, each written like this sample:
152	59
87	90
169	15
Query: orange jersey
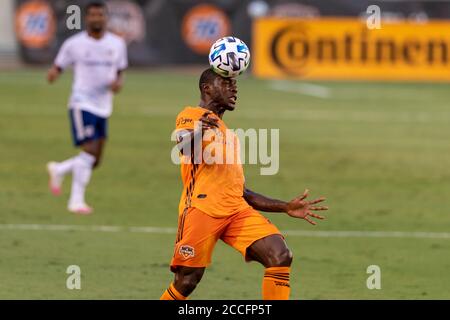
216	188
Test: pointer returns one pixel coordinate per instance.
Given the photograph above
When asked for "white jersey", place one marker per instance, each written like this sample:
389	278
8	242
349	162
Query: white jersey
95	64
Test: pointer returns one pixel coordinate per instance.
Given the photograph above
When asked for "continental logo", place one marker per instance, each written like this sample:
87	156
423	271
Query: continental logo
346	49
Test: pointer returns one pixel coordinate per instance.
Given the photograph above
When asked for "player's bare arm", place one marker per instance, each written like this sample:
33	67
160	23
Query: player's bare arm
53	73
298	207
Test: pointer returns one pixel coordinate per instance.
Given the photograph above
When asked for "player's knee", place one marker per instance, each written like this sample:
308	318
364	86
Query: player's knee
281	258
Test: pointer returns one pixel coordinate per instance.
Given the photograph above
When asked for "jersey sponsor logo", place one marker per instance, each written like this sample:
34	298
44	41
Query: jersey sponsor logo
35	24
187	251
202	25
182	121
96	63
89	61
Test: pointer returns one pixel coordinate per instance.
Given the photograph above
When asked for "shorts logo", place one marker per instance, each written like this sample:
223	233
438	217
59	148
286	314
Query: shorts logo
89	131
187	251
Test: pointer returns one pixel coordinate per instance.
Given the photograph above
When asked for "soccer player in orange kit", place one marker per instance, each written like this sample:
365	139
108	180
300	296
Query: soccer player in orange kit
215	204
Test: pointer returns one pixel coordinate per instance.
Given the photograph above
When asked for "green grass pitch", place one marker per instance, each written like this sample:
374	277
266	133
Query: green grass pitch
379	152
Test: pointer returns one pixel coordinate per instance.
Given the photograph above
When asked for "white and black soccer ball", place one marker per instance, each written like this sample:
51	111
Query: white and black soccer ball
229	56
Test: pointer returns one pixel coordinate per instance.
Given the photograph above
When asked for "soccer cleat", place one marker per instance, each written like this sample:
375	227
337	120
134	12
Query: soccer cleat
82	209
55	180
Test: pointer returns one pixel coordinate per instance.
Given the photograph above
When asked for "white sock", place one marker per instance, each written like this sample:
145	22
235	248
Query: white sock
81	174
64	167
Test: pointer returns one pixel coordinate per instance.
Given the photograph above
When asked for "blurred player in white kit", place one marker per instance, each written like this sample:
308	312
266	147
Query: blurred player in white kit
98	58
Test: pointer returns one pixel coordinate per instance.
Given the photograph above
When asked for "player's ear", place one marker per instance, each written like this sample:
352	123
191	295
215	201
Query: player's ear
206	88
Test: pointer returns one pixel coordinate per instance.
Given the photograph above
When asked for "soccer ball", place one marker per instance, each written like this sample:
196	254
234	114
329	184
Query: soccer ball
229	56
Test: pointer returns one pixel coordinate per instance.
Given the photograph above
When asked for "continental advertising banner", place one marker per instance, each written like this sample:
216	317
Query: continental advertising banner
346	49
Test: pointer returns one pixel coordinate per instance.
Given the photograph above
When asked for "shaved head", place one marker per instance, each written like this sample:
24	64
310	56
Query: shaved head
207	77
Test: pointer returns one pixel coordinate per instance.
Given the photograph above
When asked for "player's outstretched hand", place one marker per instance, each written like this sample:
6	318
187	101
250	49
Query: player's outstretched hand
207	122
301	208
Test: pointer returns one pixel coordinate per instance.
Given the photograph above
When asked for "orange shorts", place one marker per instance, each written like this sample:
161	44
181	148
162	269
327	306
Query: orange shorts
199	232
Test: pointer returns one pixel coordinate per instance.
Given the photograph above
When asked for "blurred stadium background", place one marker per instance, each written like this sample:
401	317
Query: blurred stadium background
363	116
